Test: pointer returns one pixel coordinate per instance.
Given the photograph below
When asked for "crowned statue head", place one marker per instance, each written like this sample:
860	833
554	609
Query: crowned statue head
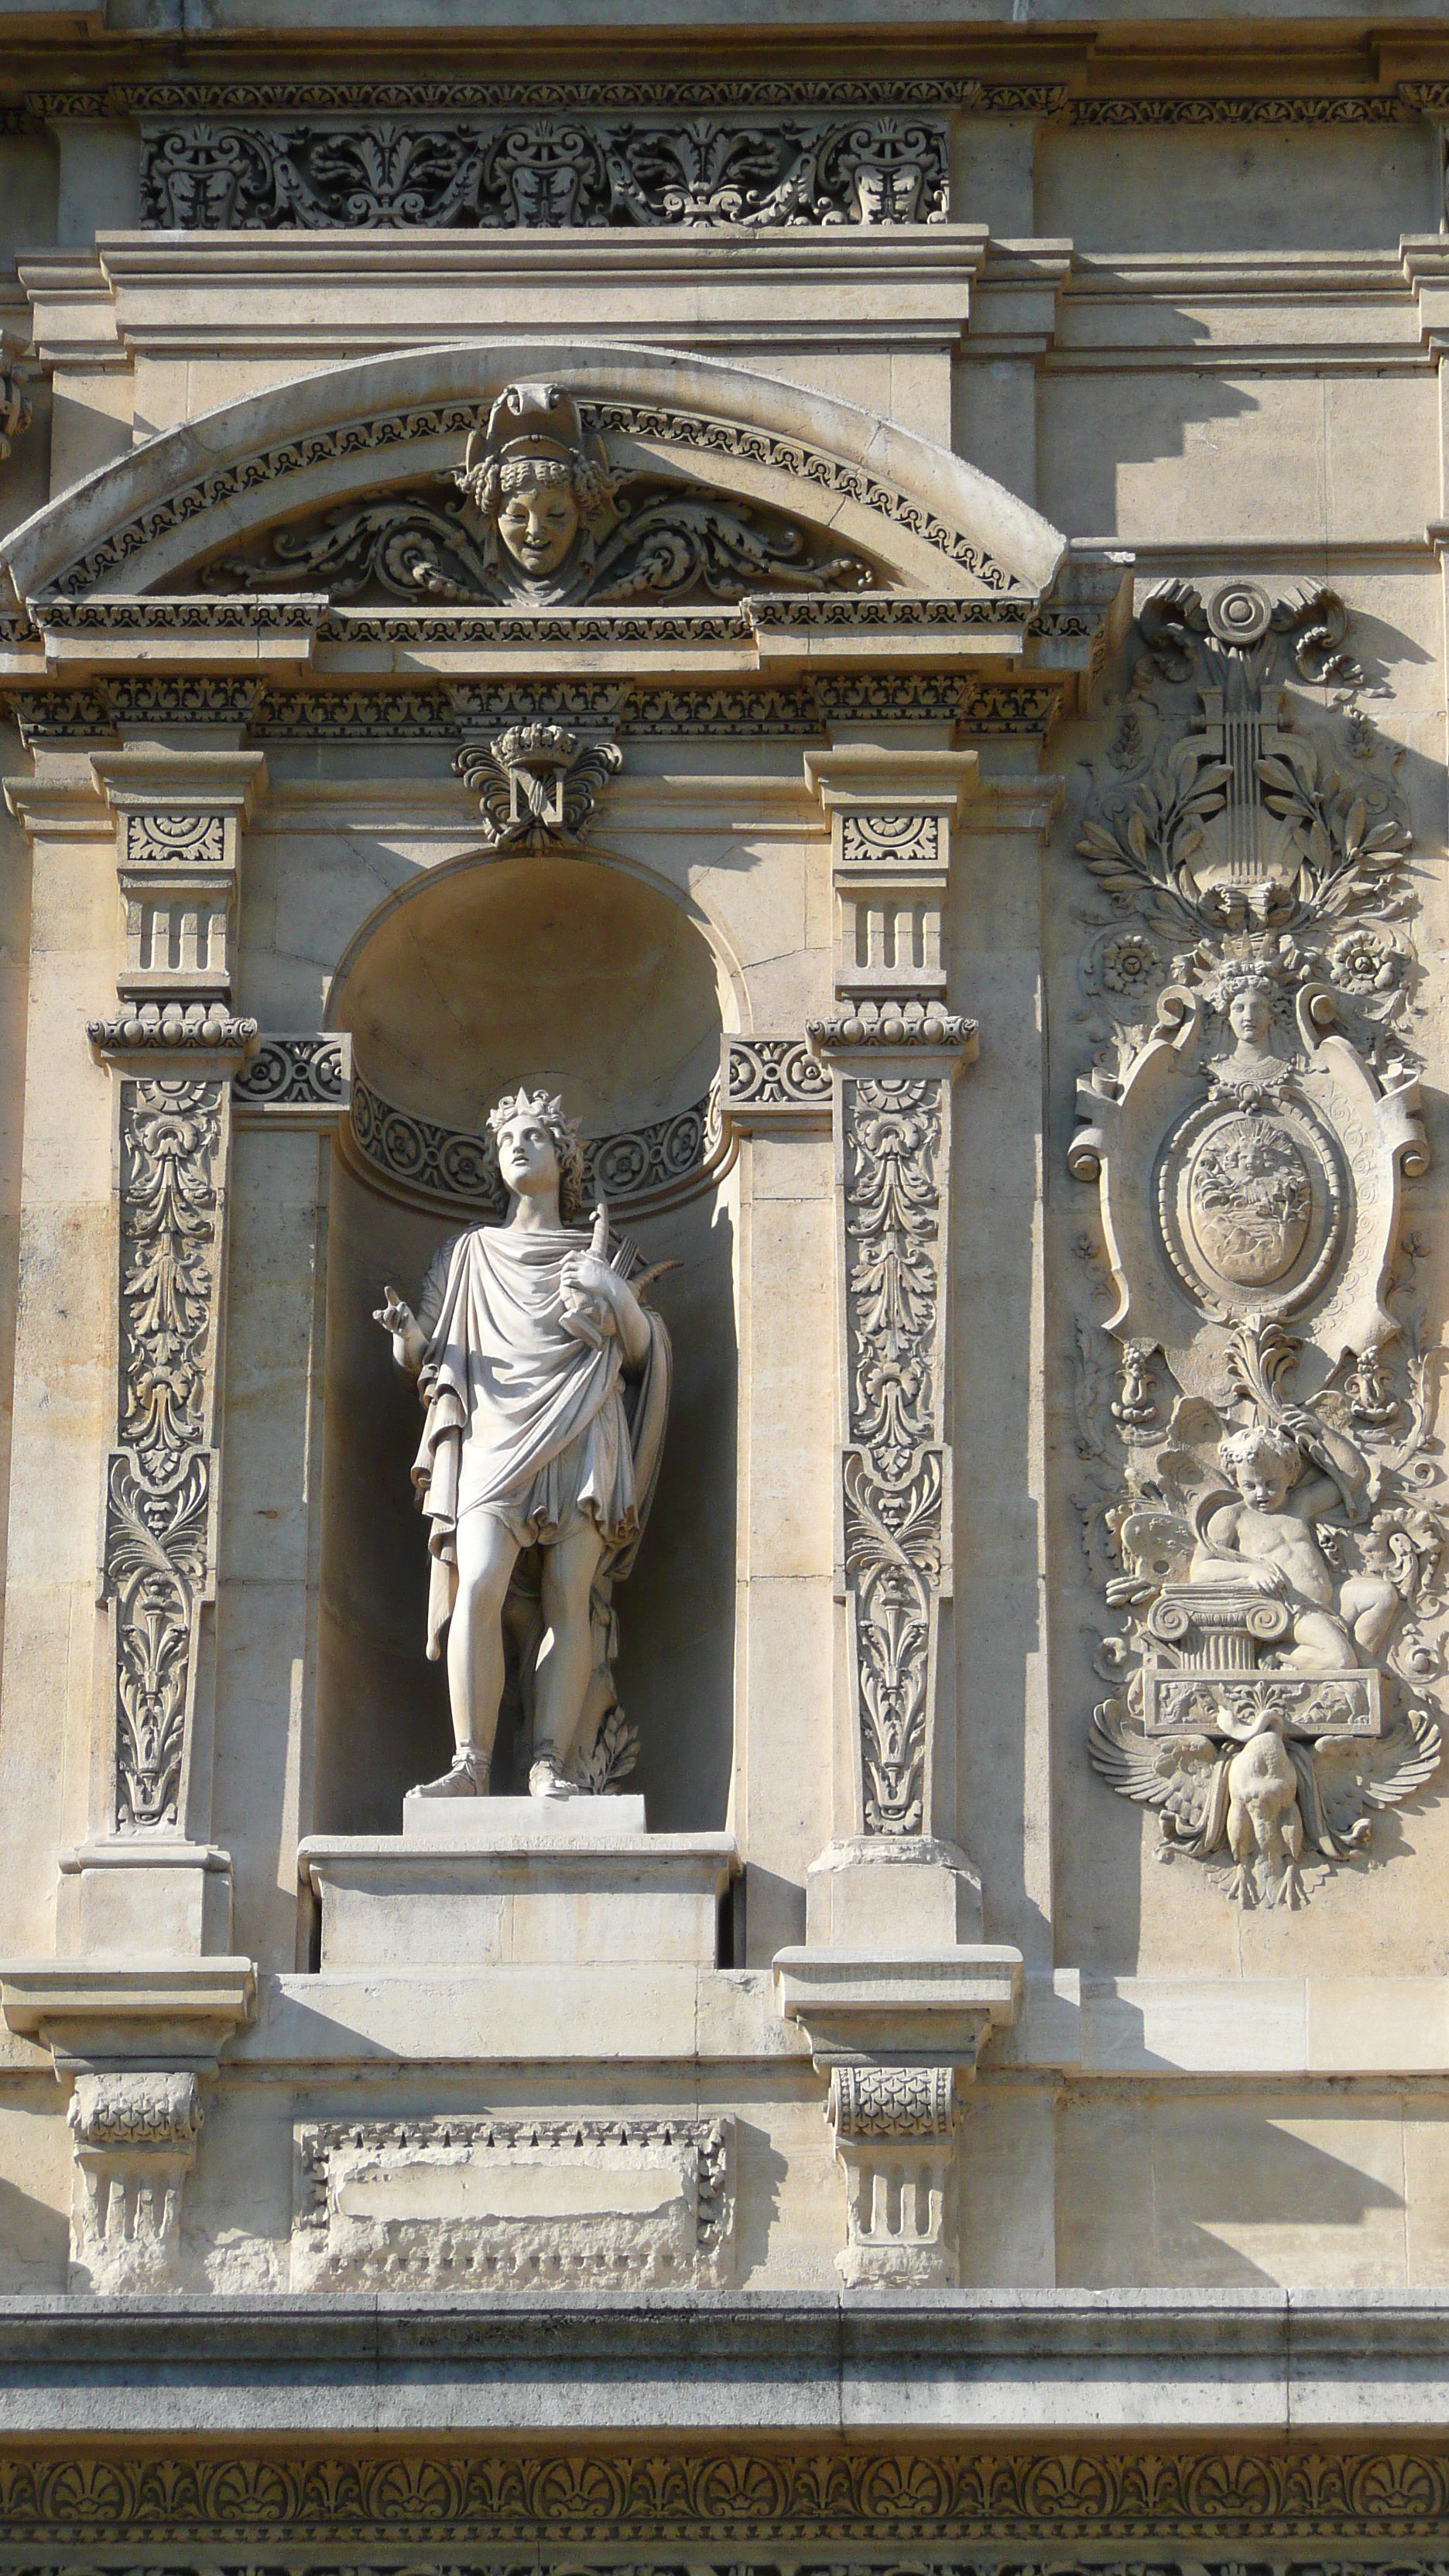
539	1148
545	496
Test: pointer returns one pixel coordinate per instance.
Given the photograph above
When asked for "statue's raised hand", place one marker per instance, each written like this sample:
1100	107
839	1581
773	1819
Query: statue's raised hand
409	1342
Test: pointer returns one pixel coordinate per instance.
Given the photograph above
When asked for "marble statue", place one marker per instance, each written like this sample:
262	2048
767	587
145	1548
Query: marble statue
546	1383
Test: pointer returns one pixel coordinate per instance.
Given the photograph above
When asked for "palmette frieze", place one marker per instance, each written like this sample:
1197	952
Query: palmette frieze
938	2499
1263	1507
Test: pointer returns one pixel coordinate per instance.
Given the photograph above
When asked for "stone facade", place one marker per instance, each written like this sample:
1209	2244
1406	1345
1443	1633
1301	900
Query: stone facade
844	645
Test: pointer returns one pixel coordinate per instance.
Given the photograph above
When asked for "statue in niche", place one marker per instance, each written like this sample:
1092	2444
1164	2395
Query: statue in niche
546	1383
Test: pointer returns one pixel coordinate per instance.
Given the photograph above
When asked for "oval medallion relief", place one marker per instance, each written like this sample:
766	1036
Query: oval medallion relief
1249	1200
1252	1204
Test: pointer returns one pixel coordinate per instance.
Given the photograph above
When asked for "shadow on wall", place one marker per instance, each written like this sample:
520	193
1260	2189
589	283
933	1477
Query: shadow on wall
585	980
1211	2191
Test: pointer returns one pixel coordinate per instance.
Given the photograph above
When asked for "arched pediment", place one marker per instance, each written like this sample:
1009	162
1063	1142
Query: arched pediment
828	495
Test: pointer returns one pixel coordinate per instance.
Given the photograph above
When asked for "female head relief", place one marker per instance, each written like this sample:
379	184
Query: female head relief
545	498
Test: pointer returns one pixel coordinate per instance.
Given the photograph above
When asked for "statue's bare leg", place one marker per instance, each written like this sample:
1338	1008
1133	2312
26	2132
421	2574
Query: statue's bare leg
486	1558
565	1665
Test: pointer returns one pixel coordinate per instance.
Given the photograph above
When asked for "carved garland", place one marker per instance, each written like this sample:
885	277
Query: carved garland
640	1170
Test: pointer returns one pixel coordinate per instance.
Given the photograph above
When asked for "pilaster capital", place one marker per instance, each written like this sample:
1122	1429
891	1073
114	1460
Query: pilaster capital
859	778
105	2016
180	778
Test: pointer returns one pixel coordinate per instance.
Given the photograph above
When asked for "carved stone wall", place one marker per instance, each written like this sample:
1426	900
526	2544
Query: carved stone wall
761	173
1264	1503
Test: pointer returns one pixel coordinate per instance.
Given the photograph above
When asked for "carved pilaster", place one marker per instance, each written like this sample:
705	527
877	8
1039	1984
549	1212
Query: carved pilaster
893	1051
173	1047
892	1983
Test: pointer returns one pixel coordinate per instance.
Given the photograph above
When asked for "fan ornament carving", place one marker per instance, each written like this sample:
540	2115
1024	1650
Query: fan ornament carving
538	517
1262	1504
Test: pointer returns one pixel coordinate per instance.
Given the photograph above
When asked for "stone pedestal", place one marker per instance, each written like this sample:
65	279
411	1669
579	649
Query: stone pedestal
517	1892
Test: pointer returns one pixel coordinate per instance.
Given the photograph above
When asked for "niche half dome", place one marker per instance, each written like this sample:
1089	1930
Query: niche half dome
551	972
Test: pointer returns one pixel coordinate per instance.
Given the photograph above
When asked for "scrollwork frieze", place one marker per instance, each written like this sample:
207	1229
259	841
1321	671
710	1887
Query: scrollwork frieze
638	1169
540	172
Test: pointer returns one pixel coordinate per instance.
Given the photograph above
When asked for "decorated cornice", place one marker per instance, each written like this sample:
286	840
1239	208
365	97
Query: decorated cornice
135	101
442	97
445	713
1180	109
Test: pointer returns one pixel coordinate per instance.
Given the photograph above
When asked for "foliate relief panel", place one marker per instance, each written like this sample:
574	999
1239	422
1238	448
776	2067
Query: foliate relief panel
895	1468
539	173
1262	1500
161	1476
485	2204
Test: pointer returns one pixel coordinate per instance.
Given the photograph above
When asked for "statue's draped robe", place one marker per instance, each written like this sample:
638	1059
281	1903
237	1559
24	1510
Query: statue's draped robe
523	1419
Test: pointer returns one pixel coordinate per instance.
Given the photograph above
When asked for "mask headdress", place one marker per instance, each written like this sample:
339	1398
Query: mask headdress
548	1109
534	436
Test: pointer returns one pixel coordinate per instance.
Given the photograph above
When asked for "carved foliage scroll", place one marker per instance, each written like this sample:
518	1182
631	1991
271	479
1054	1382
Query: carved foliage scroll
1263	1504
161	1476
895	1468
538	173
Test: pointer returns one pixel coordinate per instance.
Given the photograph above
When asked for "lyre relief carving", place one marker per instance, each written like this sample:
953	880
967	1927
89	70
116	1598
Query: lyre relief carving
1263	1508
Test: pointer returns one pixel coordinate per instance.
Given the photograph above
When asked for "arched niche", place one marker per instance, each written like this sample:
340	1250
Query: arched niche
593	981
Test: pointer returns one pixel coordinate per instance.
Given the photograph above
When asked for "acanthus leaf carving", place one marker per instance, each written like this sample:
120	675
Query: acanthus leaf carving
540	172
538	515
894	1467
160	1480
1274	1554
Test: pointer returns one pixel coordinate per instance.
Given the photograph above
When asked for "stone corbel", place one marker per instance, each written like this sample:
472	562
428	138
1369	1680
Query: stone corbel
896	2032
136	2041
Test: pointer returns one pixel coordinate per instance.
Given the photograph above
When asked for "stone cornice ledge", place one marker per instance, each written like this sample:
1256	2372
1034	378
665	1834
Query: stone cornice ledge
933	2365
106	2013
